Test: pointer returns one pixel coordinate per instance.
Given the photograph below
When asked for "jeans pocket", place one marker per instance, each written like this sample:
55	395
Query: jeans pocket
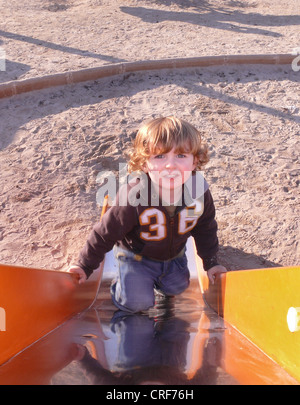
181	262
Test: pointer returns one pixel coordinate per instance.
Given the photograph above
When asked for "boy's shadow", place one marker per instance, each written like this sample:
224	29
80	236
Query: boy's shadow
236	259
12	70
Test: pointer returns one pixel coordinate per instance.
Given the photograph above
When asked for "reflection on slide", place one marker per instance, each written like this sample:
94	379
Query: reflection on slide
181	341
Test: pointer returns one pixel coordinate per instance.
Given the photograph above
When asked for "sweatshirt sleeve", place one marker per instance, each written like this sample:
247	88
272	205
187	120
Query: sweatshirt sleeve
114	225
205	233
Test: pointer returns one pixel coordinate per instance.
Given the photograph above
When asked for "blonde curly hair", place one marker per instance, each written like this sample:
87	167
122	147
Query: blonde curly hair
163	134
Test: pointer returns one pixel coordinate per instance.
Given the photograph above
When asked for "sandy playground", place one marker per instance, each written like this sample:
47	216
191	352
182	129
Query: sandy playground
54	142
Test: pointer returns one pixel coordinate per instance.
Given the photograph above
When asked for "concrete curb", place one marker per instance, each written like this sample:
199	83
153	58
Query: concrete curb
12	88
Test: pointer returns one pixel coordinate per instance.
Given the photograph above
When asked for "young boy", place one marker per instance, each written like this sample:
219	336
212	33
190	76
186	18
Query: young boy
153	216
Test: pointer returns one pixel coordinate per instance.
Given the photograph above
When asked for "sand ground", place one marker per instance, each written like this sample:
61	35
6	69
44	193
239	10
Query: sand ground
53	143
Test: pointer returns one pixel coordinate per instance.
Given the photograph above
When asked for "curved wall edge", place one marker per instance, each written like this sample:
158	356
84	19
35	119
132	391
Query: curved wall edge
12	88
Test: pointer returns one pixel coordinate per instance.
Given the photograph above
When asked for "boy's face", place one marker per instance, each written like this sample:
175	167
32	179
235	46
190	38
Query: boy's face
171	169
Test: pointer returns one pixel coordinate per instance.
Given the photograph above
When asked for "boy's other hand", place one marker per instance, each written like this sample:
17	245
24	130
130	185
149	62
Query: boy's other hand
79	272
214	271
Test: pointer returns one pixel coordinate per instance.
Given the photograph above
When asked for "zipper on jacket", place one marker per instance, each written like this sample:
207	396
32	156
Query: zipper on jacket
172	235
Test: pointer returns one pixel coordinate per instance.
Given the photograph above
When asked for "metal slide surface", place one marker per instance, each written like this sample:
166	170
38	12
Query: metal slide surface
182	341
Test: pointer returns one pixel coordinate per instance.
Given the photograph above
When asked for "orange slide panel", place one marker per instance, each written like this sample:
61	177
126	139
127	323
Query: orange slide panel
256	303
37	363
33	302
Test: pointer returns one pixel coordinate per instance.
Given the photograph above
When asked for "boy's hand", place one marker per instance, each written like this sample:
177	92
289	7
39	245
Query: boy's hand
214	271
79	272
